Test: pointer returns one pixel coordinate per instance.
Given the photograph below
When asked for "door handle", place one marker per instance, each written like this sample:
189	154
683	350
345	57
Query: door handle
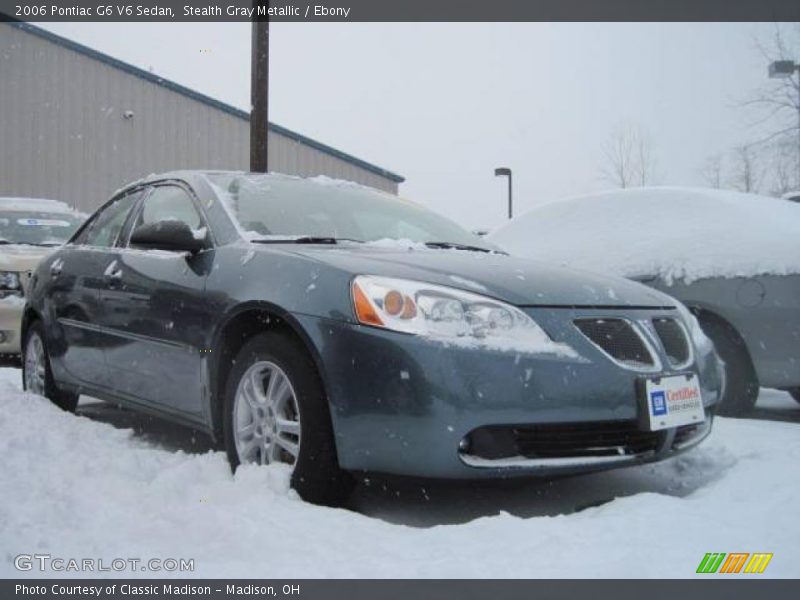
56	266
113	274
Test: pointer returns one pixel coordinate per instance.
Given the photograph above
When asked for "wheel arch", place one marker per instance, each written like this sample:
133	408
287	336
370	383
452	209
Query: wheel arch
239	325
29	315
704	313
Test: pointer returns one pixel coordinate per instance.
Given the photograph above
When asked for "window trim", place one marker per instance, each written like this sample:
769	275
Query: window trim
88	226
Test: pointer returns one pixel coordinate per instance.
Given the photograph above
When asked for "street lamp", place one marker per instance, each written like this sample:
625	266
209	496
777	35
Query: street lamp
783	69
505	171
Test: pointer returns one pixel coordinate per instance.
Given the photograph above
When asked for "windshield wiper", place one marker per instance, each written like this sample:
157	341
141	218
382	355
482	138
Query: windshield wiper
37	244
455	246
297	239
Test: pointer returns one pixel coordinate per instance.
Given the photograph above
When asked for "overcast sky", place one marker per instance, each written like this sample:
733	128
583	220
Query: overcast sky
444	104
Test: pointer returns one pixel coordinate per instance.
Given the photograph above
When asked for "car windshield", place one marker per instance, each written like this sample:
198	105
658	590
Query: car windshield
276	207
37	228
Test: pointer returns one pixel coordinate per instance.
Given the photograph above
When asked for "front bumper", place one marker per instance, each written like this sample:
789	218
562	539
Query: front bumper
402	404
11	308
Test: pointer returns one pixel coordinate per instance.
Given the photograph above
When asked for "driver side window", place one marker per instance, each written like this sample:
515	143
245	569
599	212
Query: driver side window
105	229
169	203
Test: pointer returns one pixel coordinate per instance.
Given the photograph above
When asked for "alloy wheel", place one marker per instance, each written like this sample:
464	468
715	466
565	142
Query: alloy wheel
266	419
35	369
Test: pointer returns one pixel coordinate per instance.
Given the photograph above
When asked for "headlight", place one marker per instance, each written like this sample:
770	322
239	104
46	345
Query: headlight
9	280
448	314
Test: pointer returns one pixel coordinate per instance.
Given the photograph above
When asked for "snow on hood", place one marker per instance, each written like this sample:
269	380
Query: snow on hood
673	233
511	279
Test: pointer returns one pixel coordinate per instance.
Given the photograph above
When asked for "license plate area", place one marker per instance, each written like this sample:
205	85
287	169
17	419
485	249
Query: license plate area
673	401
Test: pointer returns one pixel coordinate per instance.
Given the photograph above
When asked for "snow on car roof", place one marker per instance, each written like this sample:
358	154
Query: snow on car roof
35	204
671	232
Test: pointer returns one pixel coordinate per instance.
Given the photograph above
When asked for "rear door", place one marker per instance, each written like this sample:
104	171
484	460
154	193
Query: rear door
76	277
154	307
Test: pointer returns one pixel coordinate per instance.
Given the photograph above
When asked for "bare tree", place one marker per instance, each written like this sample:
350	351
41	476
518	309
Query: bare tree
645	170
783	167
777	104
629	157
746	171
711	171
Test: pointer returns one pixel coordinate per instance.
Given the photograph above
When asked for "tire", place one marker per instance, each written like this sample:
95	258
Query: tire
741	381
795	392
36	374
276	357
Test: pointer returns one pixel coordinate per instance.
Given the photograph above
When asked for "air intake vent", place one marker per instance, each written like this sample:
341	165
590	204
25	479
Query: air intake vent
673	339
565	440
619	340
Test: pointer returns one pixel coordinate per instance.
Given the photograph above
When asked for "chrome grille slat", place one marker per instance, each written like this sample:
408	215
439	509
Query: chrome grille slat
619	339
674	341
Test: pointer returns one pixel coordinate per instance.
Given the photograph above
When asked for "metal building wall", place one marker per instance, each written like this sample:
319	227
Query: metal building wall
64	135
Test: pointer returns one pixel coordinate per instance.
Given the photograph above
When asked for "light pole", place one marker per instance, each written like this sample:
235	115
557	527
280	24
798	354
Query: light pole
506	172
784	69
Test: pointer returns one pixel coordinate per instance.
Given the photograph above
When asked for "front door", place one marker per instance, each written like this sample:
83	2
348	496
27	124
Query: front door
154	307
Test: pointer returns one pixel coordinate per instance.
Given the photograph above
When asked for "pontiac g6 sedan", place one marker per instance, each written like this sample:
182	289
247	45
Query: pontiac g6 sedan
339	329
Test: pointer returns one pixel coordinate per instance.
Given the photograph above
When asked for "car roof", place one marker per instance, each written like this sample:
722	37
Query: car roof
34	205
193	175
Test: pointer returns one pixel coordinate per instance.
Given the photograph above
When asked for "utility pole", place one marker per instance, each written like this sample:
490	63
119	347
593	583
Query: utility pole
259	92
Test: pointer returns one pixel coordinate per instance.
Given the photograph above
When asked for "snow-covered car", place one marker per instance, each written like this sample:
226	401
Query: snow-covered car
732	258
336	328
29	230
793	196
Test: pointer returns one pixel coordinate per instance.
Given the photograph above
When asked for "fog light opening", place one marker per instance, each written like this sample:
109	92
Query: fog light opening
464	445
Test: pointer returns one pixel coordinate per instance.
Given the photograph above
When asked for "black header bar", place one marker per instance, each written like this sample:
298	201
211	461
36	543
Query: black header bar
401	10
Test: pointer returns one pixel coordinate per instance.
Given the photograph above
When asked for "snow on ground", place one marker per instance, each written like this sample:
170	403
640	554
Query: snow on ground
672	232
74	486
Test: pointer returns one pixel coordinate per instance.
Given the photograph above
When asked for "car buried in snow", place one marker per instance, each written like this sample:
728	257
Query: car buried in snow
340	330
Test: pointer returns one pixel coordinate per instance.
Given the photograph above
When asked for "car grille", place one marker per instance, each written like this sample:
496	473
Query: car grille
565	440
596	439
619	340
673	339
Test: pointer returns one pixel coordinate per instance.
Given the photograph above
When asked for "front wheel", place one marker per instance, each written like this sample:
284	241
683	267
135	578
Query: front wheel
276	411
36	374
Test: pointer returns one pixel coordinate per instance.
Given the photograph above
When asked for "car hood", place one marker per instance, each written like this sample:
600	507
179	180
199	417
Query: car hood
22	257
515	280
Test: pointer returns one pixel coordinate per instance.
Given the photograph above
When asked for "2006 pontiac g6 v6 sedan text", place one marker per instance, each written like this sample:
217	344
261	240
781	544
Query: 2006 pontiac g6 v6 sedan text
337	329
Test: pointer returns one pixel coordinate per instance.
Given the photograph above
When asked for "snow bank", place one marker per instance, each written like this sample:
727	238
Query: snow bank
73	487
674	233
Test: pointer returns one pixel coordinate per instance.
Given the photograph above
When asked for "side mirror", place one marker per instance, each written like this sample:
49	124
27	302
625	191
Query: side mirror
172	235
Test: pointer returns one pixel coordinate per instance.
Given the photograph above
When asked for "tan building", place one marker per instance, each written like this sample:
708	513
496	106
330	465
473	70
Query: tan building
76	124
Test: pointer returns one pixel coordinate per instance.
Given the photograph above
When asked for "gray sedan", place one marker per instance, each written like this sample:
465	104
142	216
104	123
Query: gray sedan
338	329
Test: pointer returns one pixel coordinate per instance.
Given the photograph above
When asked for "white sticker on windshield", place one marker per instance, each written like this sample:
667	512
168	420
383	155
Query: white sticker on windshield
43	222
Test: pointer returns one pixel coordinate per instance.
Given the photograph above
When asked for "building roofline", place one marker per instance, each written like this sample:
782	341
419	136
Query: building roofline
197	96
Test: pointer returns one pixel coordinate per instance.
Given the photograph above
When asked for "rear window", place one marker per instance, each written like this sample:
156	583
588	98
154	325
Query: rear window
37	228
